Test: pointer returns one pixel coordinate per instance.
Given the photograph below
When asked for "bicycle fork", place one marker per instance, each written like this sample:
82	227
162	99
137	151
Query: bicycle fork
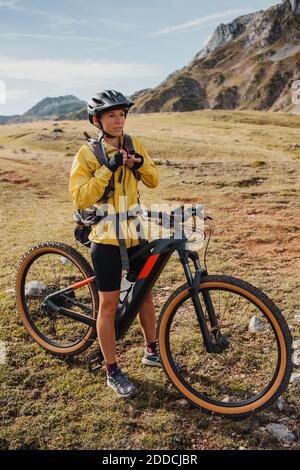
220	342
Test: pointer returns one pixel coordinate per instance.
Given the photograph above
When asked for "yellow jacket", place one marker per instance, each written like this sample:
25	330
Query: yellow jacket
88	180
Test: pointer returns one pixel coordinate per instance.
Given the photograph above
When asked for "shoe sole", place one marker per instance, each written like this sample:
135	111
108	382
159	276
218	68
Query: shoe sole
129	395
150	363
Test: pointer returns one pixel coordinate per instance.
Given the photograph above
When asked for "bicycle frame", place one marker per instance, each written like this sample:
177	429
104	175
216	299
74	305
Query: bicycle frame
162	249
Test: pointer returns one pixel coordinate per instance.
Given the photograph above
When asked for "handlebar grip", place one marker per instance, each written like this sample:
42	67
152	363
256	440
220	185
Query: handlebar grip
183	215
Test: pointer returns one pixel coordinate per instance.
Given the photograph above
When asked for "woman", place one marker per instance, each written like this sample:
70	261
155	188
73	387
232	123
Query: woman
88	179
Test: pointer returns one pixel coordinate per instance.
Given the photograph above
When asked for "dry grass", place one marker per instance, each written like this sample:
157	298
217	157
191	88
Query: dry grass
245	169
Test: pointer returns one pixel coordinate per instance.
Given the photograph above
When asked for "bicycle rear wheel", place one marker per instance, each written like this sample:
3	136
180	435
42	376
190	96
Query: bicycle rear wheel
246	377
43	270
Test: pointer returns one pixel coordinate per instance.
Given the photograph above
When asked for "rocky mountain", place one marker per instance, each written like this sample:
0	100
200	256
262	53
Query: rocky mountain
50	108
5	119
226	33
250	63
55	107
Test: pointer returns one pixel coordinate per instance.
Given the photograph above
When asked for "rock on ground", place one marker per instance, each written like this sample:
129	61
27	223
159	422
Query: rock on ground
281	432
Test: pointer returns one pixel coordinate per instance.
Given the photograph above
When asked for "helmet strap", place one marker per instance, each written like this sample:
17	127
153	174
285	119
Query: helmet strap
104	133
107	134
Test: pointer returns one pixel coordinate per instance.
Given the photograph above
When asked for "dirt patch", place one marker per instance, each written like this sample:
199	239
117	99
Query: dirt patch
186	200
251	182
13	178
43	195
2	173
43	137
16	160
19	136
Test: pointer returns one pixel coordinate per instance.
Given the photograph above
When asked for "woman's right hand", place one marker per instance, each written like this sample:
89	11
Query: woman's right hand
118	159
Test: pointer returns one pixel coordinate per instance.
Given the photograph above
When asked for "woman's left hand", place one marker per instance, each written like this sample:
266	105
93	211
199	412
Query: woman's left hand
132	160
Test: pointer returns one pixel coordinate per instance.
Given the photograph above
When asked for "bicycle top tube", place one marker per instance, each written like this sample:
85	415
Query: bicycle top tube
159	244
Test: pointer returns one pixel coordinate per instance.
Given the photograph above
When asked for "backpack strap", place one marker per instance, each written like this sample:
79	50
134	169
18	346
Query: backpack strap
98	149
128	146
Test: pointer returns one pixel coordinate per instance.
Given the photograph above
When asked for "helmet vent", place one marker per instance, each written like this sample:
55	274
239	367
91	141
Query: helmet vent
98	101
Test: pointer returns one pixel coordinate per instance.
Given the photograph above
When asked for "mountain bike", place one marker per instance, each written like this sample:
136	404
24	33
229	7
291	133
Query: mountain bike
223	343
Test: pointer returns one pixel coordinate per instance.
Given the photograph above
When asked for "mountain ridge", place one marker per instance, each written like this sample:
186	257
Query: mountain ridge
49	108
249	63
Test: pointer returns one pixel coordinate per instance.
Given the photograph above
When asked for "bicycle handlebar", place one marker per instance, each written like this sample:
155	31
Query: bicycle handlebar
178	214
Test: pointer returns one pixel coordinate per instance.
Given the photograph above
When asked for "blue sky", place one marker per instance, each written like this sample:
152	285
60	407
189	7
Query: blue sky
78	47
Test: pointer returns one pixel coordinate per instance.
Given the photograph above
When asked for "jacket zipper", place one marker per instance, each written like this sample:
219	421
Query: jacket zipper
124	191
128	225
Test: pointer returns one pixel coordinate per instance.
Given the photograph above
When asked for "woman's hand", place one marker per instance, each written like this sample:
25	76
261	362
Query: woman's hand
117	160
134	161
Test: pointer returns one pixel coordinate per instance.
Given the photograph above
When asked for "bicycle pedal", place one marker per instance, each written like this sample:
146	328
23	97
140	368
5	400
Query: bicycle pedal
94	361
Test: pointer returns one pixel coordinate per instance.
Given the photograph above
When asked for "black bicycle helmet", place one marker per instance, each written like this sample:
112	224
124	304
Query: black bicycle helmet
106	101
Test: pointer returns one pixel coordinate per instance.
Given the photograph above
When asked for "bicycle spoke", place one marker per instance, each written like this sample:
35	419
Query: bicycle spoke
50	274
239	372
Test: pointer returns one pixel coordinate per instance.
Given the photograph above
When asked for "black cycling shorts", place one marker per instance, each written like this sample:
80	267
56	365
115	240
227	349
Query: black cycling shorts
107	265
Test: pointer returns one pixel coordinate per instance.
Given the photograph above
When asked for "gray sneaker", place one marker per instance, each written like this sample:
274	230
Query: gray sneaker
154	359
151	359
121	384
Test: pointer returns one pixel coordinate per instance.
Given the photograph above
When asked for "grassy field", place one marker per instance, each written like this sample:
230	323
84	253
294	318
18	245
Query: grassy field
245	168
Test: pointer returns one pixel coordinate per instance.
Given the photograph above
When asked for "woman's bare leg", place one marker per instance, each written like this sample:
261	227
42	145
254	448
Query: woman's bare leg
106	324
147	319
116	379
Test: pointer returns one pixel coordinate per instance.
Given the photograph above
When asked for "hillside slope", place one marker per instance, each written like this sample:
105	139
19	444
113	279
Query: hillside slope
249	63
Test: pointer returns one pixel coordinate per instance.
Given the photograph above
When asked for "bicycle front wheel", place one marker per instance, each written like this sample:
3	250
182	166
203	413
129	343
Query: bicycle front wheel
43	270
255	368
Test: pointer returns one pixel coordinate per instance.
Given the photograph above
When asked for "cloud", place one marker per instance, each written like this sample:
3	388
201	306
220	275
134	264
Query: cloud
11	4
52	37
110	46
194	24
28	81
66	20
58	20
117	25
74	73
2	92
18	100
19	94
